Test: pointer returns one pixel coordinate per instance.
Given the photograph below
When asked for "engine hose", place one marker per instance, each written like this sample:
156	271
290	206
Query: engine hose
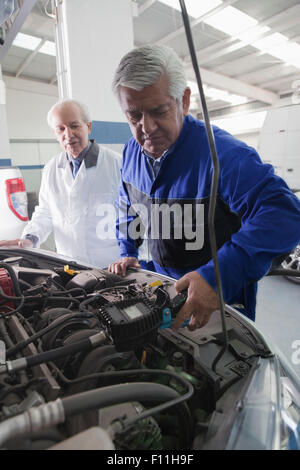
25	284
50	414
13	276
87	302
56	298
47	356
16	287
5	335
139	373
116	394
45	298
12	311
145	392
71	291
22	344
15	299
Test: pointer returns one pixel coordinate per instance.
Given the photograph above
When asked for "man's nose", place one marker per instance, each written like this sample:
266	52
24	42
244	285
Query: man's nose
68	132
148	124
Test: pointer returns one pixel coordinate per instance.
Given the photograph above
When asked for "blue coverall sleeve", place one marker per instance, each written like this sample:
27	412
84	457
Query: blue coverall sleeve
270	221
126	243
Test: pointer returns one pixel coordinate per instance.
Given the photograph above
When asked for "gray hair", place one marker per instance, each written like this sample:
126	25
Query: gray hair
144	65
59	104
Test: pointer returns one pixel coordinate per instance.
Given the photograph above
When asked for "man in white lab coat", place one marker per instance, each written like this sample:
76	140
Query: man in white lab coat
78	192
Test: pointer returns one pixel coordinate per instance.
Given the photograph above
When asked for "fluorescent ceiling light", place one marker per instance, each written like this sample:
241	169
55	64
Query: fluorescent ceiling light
289	53
48	48
241	123
216	94
195	8
238	99
223	95
26	41
251	35
279	46
270	42
231	21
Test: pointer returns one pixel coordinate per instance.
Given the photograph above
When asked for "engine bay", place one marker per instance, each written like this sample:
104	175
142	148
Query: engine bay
88	358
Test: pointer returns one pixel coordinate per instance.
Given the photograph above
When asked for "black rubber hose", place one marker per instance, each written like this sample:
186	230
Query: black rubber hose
5	335
87	302
13	276
25	284
115	394
16	286
71	291
67	299
21	345
13	298
47	356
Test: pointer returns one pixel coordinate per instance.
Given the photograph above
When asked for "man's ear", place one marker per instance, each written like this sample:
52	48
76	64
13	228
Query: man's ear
186	101
89	124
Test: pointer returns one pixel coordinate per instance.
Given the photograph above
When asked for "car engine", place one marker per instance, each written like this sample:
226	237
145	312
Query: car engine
88	360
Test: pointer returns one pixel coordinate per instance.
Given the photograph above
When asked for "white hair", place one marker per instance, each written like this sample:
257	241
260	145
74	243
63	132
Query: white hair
59	104
144	65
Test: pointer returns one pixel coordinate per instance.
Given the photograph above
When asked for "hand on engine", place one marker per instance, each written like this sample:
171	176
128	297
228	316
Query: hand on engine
20	242
120	266
202	300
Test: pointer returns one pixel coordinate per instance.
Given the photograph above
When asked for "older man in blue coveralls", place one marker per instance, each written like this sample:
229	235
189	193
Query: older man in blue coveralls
167	162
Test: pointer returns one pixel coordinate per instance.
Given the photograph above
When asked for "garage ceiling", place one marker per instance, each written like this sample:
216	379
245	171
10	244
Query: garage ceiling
248	50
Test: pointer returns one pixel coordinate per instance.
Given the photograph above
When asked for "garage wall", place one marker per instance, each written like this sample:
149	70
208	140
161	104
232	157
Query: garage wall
32	143
250	138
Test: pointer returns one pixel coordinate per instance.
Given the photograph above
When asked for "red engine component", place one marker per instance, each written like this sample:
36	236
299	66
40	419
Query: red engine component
7	287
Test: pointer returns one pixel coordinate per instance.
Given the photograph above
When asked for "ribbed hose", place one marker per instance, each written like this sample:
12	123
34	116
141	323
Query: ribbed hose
33	420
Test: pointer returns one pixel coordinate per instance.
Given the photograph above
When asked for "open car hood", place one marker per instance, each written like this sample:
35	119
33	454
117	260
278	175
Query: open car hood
74	374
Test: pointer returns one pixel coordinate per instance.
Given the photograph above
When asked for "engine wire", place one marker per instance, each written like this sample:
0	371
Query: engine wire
22	344
214	182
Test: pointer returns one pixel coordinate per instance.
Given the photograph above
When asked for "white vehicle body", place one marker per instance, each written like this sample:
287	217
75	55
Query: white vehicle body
13	203
279	143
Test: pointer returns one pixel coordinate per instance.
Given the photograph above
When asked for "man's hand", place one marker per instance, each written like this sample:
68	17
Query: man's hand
202	300
20	242
120	266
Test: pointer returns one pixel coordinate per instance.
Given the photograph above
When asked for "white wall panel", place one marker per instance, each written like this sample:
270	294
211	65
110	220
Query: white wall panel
24	154
47	151
26	114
